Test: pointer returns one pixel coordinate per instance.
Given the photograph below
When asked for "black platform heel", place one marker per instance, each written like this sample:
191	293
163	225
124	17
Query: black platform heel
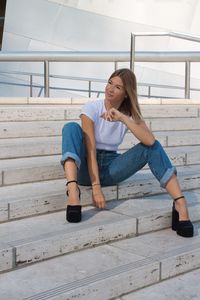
182	228
73	212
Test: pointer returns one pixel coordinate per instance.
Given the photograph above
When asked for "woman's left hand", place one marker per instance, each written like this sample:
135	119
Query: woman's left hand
112	115
98	197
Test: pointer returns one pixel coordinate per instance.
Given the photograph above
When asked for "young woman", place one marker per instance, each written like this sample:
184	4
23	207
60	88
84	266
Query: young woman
89	151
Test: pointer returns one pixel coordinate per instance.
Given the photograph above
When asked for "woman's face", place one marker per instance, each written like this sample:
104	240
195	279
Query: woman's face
115	91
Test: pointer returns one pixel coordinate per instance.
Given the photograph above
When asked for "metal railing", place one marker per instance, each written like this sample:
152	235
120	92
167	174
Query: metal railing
88	90
178	35
107	56
63	56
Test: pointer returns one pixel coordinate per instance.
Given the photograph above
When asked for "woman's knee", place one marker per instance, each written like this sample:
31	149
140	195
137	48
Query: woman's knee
71	127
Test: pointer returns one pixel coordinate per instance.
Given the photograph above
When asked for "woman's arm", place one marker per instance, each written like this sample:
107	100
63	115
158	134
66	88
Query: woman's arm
89	137
140	130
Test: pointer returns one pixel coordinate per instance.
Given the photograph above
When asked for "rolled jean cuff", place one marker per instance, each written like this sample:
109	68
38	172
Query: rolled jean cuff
67	155
166	177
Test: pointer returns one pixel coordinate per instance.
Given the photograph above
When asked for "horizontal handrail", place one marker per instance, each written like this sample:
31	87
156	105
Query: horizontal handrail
97	56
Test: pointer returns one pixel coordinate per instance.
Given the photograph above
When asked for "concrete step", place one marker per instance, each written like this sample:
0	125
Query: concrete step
32	169
83	100
72	112
30	144
54	101
27	147
22	200
174	124
37	238
31	129
54	128
185	286
51	145
152	111
104	272
166	138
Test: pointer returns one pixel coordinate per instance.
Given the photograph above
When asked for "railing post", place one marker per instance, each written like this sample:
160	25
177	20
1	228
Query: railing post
149	91
116	65
89	88
132	54
187	80
31	85
46	78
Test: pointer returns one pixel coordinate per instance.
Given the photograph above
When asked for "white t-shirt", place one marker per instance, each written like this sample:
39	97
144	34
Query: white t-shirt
108	135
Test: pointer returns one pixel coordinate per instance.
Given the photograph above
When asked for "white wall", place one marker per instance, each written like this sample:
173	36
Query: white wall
98	25
170	14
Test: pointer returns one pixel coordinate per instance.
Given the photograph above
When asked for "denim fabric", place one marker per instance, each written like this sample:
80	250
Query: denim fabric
115	167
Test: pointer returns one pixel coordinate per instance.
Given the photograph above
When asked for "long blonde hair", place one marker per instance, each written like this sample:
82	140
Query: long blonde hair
130	105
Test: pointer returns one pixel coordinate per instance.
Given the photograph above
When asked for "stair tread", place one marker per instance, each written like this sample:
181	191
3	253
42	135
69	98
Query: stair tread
28	199
128	265
67	111
41	225
75	100
27	162
51	145
166	290
51	128
55	186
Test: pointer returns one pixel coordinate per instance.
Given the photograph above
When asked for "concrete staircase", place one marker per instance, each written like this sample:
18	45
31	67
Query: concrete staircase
113	252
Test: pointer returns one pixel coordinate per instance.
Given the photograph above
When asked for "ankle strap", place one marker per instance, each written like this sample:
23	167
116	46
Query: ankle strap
179	198
71	182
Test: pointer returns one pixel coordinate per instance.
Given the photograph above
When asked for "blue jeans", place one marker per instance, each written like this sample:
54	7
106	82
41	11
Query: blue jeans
115	167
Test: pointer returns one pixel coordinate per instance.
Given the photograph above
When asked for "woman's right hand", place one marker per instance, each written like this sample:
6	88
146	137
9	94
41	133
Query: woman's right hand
98	197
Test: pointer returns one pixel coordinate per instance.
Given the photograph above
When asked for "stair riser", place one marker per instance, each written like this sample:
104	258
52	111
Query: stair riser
150	187
152	112
32	174
180	264
166	139
6	259
54	128
17	148
11	114
34	113
83	100
46	100
28	206
175	124
55	170
33	147
30	129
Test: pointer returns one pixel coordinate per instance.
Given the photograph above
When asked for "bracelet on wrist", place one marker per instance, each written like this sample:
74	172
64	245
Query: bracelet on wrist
93	184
